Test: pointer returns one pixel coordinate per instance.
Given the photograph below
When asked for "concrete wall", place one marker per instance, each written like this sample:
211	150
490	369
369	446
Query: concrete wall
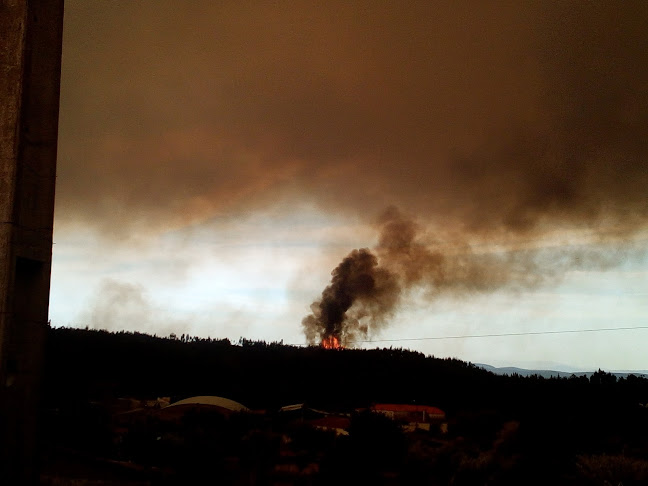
30	63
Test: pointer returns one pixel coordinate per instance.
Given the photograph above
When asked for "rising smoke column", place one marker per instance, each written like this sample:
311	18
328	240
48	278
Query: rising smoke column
361	294
365	289
367	286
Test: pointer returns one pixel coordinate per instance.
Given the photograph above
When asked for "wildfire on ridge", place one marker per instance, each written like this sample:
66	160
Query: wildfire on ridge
331	342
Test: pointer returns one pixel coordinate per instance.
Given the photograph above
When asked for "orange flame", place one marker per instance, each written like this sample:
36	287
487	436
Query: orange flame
331	342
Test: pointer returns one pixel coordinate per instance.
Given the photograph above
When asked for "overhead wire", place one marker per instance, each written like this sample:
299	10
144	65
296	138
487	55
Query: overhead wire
503	334
492	335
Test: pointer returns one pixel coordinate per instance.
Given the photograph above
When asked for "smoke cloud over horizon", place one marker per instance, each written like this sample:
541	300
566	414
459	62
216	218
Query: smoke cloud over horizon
118	306
367	286
480	118
496	127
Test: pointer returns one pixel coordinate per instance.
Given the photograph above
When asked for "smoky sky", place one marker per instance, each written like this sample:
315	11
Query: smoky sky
479	117
117	306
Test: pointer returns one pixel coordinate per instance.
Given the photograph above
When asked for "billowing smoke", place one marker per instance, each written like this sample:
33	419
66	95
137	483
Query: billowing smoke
361	295
367	286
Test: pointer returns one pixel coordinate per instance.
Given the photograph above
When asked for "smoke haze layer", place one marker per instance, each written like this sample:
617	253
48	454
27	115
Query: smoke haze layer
483	118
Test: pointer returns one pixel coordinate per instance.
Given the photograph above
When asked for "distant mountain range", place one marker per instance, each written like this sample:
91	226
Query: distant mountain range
510	370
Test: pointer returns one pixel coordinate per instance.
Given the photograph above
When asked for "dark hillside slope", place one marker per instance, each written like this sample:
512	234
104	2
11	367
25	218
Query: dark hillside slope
499	426
88	364
96	364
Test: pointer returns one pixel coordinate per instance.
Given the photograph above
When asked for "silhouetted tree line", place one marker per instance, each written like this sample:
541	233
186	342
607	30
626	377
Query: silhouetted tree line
93	364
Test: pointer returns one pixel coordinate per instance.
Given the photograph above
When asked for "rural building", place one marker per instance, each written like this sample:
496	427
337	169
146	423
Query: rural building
339	425
300	412
220	404
413	417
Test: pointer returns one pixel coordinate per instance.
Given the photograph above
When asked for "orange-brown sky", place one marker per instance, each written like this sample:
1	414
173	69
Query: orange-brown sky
480	114
486	122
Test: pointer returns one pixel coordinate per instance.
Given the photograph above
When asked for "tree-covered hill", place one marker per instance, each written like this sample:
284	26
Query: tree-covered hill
95	364
502	429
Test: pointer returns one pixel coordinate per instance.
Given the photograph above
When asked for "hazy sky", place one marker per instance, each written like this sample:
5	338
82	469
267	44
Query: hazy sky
217	160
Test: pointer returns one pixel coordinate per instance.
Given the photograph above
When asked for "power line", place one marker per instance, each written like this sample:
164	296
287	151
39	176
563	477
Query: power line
504	334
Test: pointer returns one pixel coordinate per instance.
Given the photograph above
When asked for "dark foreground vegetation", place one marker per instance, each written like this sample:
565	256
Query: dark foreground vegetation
502	430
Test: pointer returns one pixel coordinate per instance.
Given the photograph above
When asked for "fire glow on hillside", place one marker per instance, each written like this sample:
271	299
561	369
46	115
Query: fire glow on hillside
331	342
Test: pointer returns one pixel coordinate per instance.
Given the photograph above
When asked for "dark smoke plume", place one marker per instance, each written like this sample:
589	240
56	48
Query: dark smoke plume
366	287
361	294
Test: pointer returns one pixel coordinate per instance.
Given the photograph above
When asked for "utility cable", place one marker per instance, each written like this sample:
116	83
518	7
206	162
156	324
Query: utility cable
490	335
504	334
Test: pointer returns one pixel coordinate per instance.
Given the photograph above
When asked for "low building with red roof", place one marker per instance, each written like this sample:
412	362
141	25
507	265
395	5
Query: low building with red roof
413	416
339	425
